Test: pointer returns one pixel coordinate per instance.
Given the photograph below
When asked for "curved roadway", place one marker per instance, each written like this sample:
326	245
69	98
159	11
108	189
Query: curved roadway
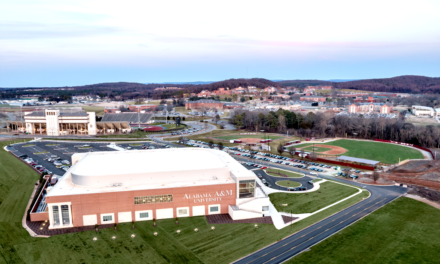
304	239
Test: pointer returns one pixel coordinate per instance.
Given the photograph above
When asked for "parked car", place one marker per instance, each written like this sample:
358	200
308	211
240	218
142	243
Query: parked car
57	163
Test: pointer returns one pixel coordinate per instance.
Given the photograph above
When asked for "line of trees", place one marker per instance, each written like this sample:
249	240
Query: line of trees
327	124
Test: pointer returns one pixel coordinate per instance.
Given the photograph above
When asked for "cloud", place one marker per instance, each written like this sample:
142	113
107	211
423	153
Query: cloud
29	30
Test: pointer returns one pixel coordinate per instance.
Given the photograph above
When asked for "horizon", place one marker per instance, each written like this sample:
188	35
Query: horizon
209	82
73	43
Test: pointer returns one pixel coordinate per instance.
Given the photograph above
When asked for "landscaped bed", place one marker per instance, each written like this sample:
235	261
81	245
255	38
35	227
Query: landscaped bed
283	173
288	183
302	203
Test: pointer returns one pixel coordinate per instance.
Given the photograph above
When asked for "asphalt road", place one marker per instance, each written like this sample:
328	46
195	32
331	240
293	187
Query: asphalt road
304	239
303	181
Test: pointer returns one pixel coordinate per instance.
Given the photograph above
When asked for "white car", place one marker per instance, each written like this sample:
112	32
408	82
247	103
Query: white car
29	160
65	168
65	162
313	173
57	163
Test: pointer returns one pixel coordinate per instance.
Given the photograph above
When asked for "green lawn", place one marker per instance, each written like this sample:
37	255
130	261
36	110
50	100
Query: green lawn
383	152
225	244
288	183
301	203
316	180
290	174
99	110
249	136
182	110
404	231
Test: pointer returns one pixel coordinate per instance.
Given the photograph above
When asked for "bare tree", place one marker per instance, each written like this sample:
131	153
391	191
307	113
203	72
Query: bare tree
292	151
220	146
211	144
302	153
280	149
376	176
216	118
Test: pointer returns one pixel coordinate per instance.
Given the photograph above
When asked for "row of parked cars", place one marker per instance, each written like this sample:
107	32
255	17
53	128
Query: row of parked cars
346	175
295	189
256	165
34	164
186	131
59	162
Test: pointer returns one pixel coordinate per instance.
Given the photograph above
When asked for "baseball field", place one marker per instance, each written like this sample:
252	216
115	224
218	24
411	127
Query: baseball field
383	152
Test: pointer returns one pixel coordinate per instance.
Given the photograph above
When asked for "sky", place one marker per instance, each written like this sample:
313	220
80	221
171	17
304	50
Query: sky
48	43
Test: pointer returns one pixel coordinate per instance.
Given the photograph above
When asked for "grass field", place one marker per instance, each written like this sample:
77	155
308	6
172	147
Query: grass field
99	110
316	149
288	183
181	109
404	231
225	244
237	136
383	152
290	174
301	203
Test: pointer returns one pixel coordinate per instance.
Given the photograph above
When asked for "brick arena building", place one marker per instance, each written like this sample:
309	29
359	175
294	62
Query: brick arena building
313	98
137	185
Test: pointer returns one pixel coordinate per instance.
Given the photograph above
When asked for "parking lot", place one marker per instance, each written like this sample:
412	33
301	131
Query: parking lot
266	158
42	152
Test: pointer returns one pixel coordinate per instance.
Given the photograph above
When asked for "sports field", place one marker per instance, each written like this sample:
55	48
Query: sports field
383	152
249	136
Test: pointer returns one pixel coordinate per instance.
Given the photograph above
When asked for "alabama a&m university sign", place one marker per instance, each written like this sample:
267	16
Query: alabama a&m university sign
208	197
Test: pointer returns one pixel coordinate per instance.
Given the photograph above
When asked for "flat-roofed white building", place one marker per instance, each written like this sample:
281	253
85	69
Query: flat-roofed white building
55	122
124	186
419	110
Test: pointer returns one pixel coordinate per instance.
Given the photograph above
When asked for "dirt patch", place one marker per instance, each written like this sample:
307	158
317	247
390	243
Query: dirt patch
250	140
433	195
424	173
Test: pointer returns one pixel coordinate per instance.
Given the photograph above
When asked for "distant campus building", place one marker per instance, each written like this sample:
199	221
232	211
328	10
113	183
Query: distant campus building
313	98
124	186
210	104
370	108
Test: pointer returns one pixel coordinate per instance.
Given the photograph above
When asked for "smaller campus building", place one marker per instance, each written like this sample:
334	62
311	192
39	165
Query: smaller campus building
56	122
423	111
138	185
